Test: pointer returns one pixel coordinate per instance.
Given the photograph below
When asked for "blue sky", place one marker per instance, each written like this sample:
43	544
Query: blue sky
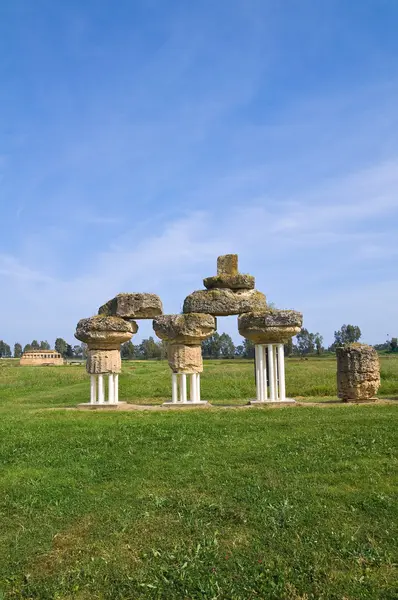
139	139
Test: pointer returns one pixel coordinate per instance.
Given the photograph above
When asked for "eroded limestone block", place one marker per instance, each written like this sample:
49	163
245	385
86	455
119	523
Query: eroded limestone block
224	302
189	329
227	264
241	281
358	372
101	332
103	361
272	326
133	306
228	276
185	359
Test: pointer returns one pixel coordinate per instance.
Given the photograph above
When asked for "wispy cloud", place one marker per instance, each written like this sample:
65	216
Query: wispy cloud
173	260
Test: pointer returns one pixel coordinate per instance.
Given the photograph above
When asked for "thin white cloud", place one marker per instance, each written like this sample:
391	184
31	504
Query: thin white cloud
173	261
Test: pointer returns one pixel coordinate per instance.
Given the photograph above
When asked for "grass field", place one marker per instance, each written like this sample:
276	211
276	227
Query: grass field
297	503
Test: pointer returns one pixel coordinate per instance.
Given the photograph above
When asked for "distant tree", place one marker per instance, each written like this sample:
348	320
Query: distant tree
239	351
211	347
248	349
45	345
35	345
28	348
305	342
17	350
69	351
163	348
78	351
348	334
318	340
61	346
5	350
227	347
128	350
394	344
289	347
149	349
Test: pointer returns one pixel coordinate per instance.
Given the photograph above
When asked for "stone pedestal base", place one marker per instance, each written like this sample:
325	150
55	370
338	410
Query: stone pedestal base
109	405
188	404
272	402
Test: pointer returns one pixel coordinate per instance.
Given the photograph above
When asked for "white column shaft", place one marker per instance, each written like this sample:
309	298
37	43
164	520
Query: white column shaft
258	356
183	390
281	368
276	374
192	387
174	387
264	355
271	372
93	389
101	389
197	387
116	381
111	389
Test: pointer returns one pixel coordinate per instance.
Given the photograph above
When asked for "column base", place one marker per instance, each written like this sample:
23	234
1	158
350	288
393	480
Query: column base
188	404
261	402
96	405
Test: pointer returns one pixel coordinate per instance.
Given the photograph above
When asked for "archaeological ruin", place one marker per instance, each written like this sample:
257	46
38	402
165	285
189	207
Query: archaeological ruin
358	372
227	293
40	358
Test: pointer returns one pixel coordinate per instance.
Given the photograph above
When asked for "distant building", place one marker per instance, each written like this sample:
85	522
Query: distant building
40	358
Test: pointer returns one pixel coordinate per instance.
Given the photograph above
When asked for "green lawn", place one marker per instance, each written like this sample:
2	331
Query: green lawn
297	503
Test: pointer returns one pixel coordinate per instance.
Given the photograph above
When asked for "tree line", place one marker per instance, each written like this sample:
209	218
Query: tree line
61	346
217	346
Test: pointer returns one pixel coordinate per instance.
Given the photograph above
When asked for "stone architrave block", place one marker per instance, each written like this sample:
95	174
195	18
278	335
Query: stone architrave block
358	372
272	326
189	329
224	302
185	359
133	306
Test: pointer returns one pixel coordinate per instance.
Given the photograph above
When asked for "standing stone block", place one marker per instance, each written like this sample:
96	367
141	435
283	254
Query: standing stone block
228	276
227	264
358	372
185	359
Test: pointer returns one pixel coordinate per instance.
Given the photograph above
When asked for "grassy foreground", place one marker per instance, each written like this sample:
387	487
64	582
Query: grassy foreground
297	503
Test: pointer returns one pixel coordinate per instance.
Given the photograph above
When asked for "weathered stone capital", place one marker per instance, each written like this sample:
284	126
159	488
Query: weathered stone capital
271	326
190	329
107	333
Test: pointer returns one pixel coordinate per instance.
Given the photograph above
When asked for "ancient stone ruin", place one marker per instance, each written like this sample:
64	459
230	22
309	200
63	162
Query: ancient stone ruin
270	330
358	372
184	334
36	358
227	293
105	333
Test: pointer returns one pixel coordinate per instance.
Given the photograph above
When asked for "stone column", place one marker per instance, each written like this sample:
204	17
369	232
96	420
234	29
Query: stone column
358	372
184	335
270	330
104	336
